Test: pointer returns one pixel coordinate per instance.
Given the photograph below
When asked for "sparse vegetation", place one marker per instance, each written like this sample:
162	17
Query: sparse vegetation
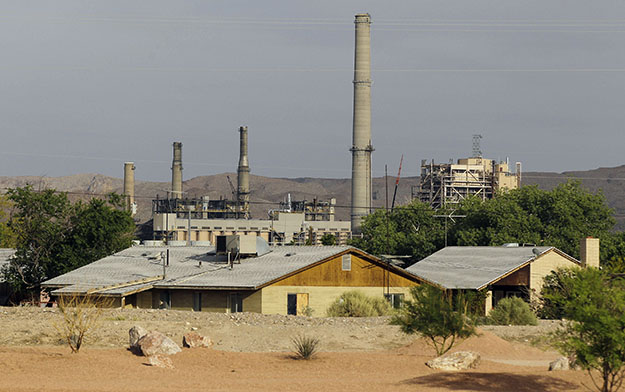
438	316
305	347
512	311
80	316
356	304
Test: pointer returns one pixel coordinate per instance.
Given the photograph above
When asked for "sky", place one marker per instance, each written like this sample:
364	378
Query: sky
88	85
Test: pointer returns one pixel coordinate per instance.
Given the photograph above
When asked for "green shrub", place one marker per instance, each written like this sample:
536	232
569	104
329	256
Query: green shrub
438	316
305	346
356	304
512	311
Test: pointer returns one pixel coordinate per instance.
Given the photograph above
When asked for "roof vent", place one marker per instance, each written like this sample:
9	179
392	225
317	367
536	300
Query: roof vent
290	254
510	245
242	245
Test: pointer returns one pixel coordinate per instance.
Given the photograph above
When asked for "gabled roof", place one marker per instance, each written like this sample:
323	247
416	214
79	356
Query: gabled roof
475	267
141	268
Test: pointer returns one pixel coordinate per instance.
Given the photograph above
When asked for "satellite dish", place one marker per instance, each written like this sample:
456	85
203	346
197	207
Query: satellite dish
536	251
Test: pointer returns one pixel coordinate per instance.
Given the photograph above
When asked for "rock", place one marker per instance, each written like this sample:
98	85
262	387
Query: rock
135	333
160	361
156	343
460	360
561	363
194	339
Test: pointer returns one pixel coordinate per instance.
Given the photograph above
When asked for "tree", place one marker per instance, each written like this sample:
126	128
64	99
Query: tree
7	236
438	316
54	236
593	302
41	226
411	229
558	218
328	239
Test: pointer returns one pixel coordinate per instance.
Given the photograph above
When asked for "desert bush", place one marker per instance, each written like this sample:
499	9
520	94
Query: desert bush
593	303
512	311
356	304
305	347
80	316
439	316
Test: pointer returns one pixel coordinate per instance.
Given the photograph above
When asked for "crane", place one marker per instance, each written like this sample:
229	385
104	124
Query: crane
397	182
231	187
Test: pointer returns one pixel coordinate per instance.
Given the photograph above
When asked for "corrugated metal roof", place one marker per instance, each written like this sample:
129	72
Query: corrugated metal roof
472	267
129	267
5	255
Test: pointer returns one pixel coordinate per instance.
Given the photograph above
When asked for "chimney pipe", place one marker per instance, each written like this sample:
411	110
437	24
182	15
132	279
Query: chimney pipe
243	175
589	252
176	172
361	144
129	187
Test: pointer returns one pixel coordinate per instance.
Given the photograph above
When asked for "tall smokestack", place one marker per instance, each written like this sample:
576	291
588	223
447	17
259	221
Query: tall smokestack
176	172
243	175
129	186
361	144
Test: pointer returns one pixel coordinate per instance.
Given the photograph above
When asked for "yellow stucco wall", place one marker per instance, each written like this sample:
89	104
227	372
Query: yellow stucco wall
543	266
274	298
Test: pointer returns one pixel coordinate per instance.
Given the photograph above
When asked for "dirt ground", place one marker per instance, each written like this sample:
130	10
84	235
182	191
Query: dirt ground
252	352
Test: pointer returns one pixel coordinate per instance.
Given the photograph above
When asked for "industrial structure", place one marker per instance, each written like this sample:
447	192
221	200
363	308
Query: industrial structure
176	172
129	187
446	184
361	143
201	220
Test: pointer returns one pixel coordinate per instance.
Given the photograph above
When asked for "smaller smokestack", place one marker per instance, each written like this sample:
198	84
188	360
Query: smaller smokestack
129	187
518	174
589	252
243	175
176	172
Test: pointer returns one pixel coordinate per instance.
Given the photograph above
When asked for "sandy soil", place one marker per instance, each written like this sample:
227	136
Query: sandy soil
252	353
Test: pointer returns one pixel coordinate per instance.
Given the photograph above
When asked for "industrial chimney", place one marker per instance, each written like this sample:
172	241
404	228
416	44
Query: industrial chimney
243	175
176	172
361	144
129	187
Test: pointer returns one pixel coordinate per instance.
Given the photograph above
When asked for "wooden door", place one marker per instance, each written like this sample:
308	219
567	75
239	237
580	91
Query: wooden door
302	303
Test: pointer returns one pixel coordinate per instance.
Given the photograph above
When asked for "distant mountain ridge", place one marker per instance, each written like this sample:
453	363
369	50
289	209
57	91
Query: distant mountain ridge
266	192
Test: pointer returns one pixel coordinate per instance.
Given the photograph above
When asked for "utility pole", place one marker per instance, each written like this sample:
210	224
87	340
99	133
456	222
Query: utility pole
450	216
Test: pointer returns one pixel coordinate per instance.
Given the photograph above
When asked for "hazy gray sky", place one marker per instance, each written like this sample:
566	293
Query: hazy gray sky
87	85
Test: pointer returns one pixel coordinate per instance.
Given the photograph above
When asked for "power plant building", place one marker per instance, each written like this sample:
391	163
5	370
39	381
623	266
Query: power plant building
447	184
201	220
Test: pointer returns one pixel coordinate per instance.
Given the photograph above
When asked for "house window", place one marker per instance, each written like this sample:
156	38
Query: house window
395	299
236	303
347	263
197	302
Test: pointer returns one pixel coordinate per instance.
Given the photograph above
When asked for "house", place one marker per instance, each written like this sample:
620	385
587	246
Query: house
276	280
5	292
504	271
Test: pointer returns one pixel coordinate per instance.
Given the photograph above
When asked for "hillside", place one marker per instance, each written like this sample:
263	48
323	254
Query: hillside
266	192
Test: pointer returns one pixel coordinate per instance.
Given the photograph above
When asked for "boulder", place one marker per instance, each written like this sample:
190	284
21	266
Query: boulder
561	363
156	343
160	361
135	333
194	339
460	360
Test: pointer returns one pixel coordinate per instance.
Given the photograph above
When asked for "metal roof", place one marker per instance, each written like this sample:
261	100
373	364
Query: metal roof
141	268
5	255
474	267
